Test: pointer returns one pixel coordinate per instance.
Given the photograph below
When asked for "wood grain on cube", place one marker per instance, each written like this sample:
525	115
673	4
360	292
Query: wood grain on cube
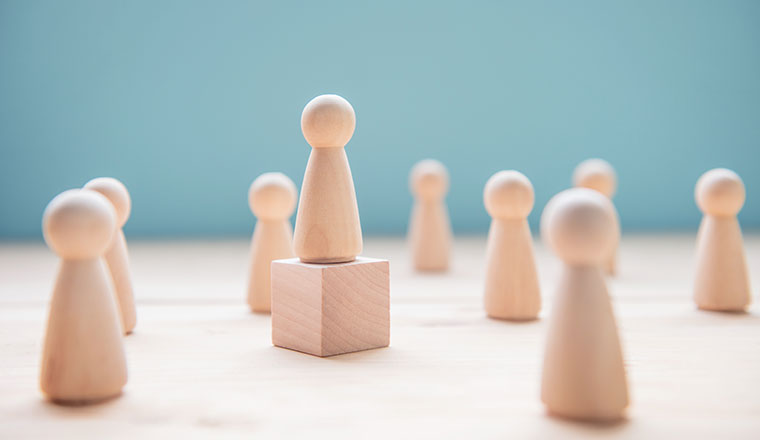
332	309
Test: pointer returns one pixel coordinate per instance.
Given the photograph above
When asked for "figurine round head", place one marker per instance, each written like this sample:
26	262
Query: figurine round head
429	180
720	192
508	195
79	224
581	226
596	174
116	193
328	121
272	196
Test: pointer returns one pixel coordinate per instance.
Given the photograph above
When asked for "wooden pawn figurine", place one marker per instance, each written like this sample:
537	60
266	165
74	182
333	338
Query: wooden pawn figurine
327	223
83	358
329	300
598	174
583	373
511	287
429	227
116	256
721	282
272	198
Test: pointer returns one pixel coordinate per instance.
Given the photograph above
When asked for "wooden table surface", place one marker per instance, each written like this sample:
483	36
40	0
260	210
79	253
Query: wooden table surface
202	366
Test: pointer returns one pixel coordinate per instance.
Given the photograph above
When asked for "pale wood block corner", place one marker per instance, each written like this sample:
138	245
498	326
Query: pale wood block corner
331	309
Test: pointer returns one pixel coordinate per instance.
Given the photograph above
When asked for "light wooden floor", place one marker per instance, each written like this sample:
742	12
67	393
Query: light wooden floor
201	366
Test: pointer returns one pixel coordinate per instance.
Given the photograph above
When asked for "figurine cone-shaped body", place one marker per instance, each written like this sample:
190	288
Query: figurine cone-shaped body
117	256
117	260
511	287
272	240
327	224
721	282
583	374
83	358
430	236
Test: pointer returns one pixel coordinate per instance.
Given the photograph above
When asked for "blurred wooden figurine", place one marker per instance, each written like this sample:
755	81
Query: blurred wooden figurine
83	358
429	226
511	287
272	198
722	282
598	174
116	256
583	374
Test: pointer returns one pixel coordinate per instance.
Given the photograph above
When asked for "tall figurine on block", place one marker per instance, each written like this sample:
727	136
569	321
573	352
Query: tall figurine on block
116	256
511	287
83	357
429	226
584	375
598	174
721	282
329	301
272	198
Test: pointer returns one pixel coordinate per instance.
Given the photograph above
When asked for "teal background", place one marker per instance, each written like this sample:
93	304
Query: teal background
188	101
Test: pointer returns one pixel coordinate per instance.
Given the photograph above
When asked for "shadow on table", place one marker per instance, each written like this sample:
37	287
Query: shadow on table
589	427
78	409
728	318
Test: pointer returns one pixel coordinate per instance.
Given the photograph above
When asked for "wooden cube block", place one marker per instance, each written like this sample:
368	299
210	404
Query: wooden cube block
329	309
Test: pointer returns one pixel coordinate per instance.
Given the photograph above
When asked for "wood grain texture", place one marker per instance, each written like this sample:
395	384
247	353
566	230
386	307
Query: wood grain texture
202	366
332	309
